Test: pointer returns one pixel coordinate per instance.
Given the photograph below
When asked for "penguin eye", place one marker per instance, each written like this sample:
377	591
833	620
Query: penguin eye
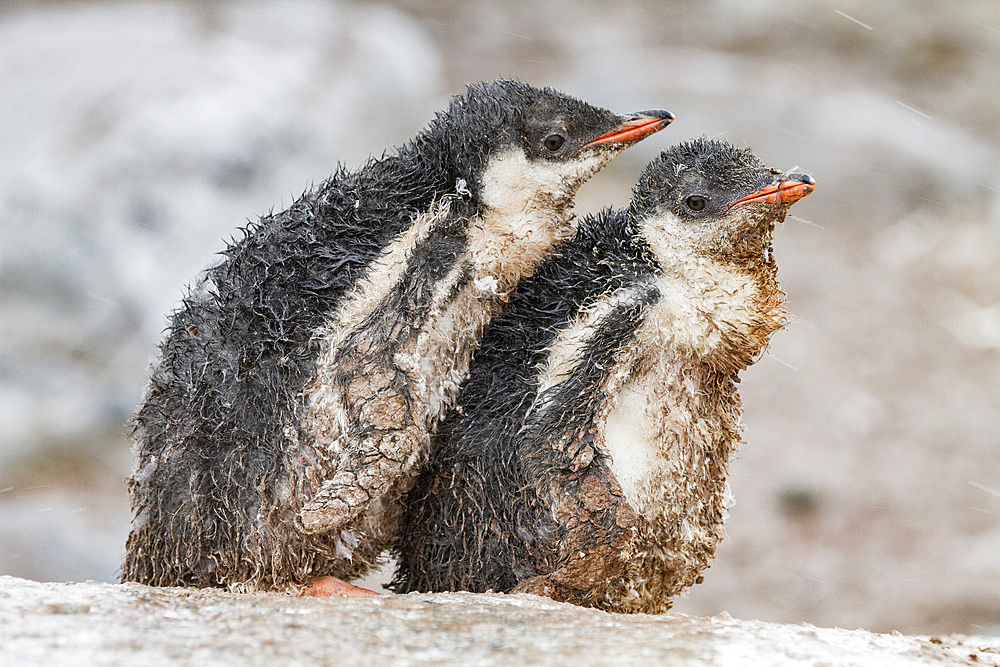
554	142
696	202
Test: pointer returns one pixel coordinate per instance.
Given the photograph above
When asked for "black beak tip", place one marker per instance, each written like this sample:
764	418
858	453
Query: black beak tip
657	113
802	178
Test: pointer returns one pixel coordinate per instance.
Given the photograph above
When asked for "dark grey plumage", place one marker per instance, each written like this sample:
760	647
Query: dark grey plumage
227	449
521	491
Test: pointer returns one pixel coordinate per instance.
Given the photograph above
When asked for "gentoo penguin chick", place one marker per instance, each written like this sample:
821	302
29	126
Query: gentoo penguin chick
299	379
586	457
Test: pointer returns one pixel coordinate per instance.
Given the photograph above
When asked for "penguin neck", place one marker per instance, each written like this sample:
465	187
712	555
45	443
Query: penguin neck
527	208
714	311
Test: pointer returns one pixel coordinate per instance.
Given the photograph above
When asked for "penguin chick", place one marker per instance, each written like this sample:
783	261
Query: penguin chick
299	379
586	457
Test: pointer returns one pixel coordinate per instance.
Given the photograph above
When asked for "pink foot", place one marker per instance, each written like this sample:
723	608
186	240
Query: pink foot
334	588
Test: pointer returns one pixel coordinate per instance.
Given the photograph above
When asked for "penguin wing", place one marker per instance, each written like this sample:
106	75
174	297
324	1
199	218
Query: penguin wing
584	520
369	401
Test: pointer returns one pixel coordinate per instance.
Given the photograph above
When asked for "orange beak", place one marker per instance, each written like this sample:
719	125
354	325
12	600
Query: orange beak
635	127
790	189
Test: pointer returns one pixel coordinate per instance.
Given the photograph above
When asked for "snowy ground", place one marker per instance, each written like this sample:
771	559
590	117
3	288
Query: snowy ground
135	136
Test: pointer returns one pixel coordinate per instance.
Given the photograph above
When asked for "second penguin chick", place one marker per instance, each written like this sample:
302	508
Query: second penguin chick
587	457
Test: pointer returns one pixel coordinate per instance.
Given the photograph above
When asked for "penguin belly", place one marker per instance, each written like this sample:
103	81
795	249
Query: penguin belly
670	459
629	441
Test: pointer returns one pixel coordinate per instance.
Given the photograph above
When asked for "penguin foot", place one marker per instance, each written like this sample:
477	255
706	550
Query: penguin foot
333	587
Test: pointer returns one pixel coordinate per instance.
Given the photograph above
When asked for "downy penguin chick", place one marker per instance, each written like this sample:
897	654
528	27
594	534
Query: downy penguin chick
299	379
586	457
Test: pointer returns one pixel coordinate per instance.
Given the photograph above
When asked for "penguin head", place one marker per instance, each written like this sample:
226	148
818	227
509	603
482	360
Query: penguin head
516	144
716	200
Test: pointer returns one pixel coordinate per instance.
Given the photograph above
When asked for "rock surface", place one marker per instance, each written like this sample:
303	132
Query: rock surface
94	623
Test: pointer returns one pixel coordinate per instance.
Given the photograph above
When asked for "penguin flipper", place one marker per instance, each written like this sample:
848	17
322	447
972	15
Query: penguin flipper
595	524
368	413
375	468
587	548
369	401
337	502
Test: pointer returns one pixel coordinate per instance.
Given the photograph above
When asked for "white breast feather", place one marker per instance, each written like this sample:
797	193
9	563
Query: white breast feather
652	431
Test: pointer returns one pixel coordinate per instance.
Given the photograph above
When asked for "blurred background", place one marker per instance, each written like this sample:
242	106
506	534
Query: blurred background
136	136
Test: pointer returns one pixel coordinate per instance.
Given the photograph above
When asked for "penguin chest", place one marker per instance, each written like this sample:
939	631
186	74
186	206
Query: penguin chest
444	347
669	435
658	436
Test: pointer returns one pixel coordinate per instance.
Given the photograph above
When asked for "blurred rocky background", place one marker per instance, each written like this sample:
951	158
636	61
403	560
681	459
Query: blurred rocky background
136	136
